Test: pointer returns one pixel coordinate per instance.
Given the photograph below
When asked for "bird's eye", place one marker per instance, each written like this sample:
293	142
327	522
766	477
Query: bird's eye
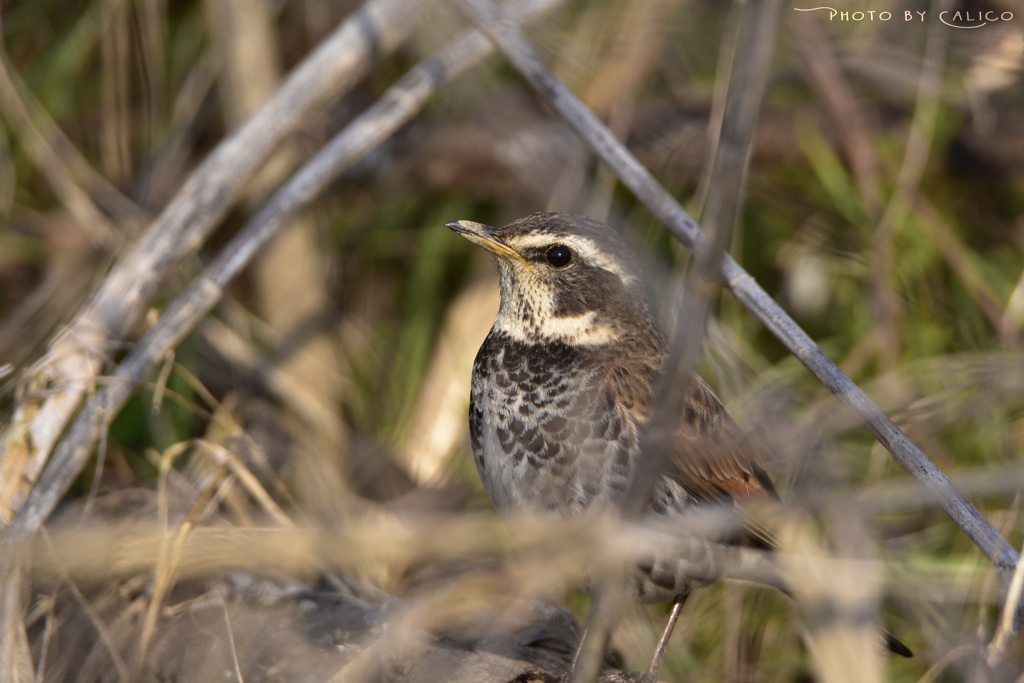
559	255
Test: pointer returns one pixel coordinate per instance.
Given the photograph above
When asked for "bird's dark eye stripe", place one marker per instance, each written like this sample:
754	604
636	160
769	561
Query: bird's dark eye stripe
535	253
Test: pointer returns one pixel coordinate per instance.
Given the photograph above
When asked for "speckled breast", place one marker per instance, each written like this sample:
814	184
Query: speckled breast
546	431
548	435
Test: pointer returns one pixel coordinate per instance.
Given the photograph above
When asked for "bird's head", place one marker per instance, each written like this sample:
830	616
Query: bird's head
564	278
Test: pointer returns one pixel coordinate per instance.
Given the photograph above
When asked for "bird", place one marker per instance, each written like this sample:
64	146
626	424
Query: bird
563	387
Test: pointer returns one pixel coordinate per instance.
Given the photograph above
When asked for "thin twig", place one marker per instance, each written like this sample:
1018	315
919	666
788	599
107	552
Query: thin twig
97	621
959	259
945	660
86	194
919	140
44	648
601	618
231	642
222	456
1006	629
747	79
639	180
824	71
163	574
10	606
730	34
1010	516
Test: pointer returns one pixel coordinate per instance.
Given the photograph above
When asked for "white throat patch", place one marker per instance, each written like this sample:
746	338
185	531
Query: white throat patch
583	330
530	319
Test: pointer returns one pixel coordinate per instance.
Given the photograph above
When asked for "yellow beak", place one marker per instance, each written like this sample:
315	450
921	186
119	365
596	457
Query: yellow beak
486	237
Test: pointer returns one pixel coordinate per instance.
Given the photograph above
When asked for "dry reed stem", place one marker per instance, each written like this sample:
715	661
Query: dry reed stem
231	641
945	660
115	123
11	622
614	86
106	637
222	455
44	647
1007	629
75	356
170	164
882	497
168	558
131	546
819	60
1009	523
161	380
747	79
23	666
958	258
888	311
636	44
198	387
439	417
764	308
726	53
840	596
77	185
246	40
152	42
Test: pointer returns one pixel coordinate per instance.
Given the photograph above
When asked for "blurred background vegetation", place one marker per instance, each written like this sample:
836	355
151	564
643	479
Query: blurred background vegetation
885	216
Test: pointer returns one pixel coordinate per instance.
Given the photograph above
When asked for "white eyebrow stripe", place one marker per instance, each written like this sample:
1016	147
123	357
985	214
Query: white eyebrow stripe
584	246
542	240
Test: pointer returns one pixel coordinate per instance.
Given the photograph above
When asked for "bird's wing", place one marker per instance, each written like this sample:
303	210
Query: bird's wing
711	458
712	461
